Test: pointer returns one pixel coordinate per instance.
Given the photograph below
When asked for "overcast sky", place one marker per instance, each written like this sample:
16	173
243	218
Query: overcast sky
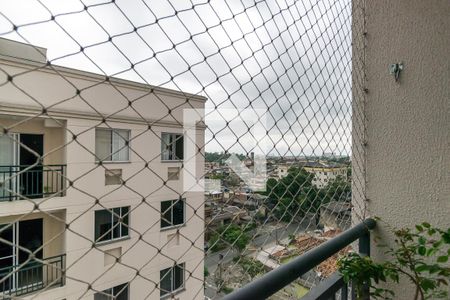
291	59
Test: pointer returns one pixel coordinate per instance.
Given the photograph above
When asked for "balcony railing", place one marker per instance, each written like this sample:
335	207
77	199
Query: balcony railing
277	279
31	277
21	182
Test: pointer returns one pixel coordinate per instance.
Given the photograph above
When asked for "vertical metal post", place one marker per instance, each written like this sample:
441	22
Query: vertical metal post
10	184
344	292
63	270
46	183
63	173
364	250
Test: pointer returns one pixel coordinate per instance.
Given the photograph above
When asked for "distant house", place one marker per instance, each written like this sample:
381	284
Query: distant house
249	201
216	216
325	173
282	170
214	196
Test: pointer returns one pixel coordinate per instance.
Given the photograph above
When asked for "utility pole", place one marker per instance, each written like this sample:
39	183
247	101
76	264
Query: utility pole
218	273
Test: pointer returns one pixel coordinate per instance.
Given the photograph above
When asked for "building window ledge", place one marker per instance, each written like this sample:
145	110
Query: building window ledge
121	239
173	227
174	293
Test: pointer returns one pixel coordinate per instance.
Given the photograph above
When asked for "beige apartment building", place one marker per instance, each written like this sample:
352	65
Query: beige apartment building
124	226
324	174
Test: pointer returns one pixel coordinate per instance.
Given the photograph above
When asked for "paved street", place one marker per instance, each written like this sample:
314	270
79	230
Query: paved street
264	239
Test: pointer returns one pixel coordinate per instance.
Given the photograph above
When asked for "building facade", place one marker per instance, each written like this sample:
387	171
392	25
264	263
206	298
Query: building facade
281	170
325	174
90	171
401	153
322	173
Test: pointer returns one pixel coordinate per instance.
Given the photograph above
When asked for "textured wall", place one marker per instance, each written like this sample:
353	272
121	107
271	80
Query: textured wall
407	122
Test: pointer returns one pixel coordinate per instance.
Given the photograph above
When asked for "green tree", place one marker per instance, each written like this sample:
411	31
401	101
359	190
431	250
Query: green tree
235	236
251	267
292	195
229	235
337	190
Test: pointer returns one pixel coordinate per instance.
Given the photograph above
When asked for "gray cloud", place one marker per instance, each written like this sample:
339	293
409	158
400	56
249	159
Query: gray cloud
290	57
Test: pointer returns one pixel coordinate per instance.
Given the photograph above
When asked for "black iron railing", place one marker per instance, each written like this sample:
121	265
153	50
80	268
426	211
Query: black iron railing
277	279
33	276
21	182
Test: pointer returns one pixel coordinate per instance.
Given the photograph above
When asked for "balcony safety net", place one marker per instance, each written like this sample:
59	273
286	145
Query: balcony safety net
175	149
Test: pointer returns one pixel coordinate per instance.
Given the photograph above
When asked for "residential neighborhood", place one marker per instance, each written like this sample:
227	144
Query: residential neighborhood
239	215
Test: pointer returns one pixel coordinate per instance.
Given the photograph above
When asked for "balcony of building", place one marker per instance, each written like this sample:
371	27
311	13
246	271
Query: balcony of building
32	253
32	158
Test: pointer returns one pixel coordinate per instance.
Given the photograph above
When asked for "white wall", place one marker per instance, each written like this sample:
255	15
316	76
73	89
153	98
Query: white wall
407	123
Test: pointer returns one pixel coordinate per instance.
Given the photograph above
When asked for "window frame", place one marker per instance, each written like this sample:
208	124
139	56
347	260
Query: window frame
174	146
111	230
172	291
171	226
111	160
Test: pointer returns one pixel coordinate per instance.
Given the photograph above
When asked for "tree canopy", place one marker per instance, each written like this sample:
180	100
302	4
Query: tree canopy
295	195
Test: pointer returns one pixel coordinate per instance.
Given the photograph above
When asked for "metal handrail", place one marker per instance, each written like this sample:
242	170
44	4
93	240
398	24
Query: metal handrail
36	262
328	288
34	165
32	276
277	279
31	181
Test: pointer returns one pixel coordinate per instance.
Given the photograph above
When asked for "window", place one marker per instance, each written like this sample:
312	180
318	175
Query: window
113	176
172	213
173	173
171	279
119	292
171	146
111	224
112	144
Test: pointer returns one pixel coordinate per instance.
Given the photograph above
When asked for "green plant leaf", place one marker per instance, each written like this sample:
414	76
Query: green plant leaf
438	244
442	259
421	268
427	284
431	251
426	225
446	237
422	250
434	269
